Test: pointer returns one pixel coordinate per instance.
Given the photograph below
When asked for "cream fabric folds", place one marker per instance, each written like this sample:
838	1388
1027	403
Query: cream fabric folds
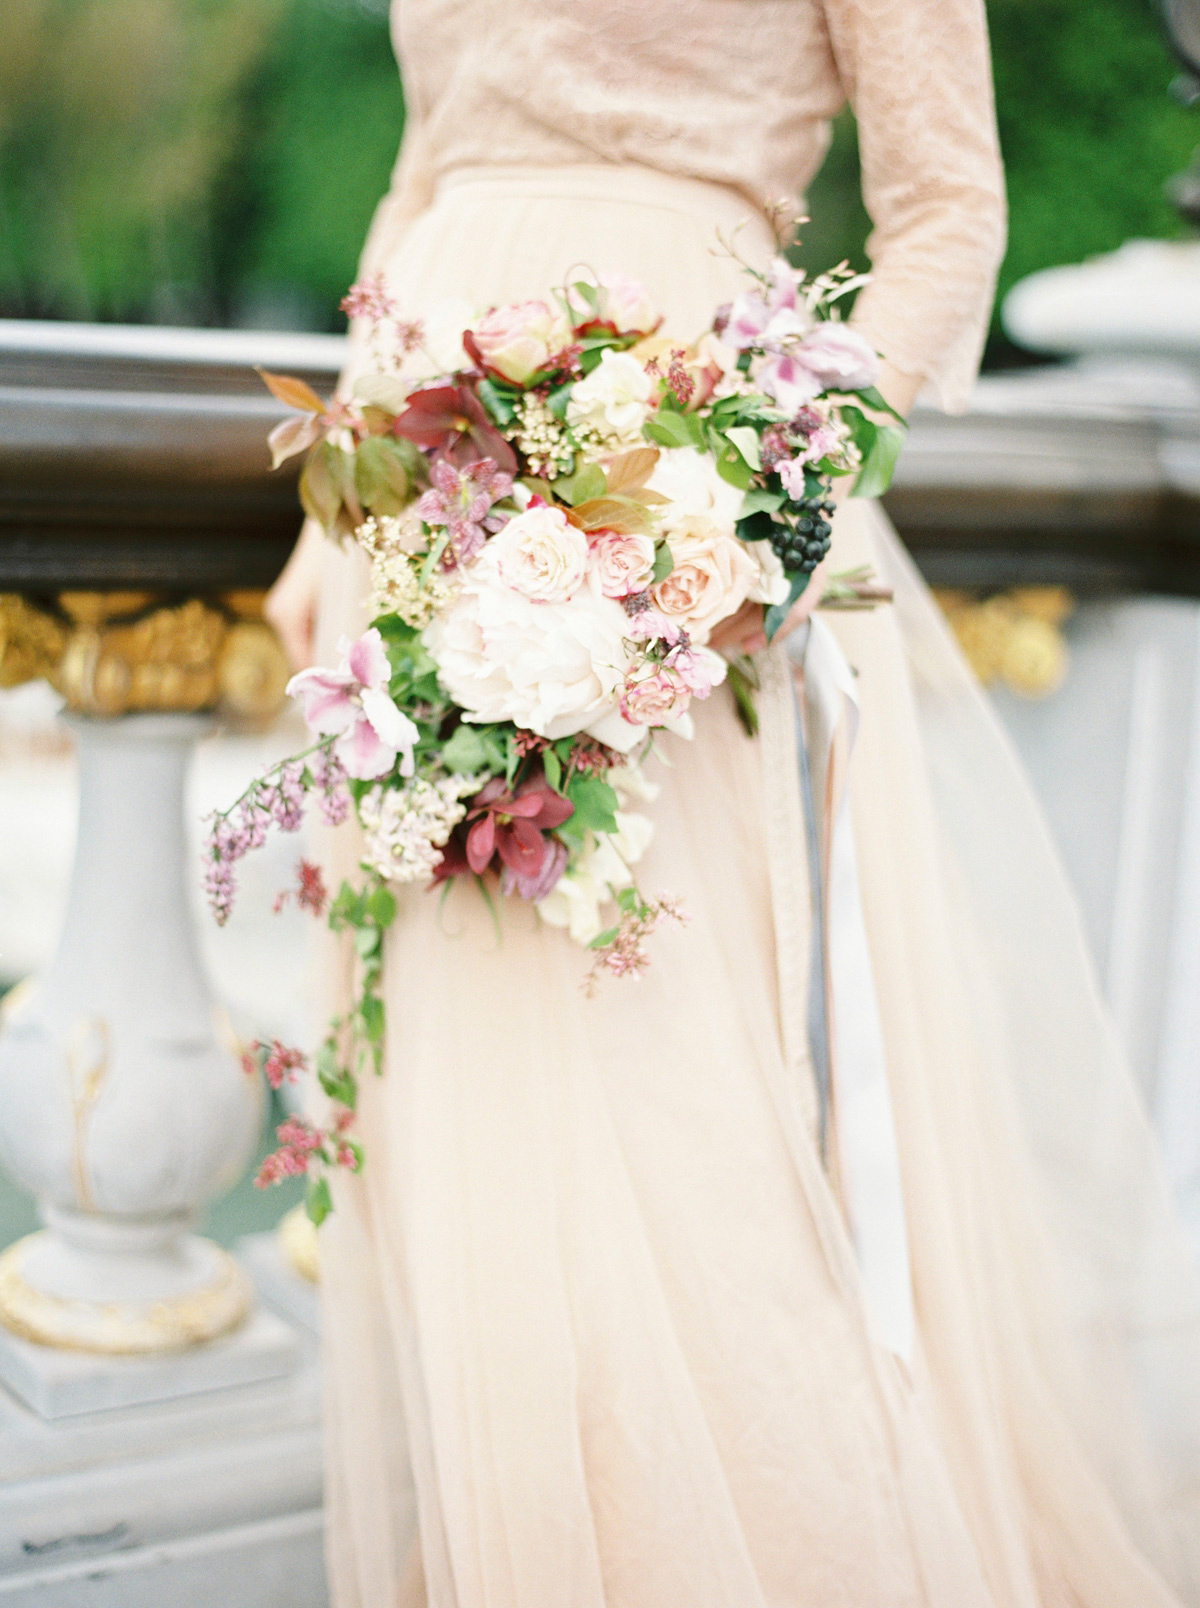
594	1322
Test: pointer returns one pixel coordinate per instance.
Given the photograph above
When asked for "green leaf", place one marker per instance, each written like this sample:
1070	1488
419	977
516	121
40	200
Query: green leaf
381	477
588	293
556	400
874	398
745	439
779	612
366	941
553	769
464	752
879	463
669	429
318	492
743	692
581	487
664	562
372	1013
381	907
318	1201
761	500
499	400
731	466
595	803
627	900
603	939
759	527
512	759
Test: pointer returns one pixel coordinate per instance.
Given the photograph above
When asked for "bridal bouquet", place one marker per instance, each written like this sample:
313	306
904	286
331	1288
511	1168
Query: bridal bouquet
559	507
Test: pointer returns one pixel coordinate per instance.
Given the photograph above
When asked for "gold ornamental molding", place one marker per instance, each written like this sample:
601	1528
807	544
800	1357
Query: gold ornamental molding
1014	638
117	653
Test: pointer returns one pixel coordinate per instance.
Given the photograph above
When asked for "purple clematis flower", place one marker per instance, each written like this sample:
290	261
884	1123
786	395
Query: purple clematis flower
461	499
352	704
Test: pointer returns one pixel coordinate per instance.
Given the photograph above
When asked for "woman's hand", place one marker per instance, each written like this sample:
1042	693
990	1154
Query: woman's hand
291	604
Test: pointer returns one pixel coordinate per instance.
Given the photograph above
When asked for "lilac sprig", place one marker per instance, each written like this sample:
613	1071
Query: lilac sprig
274	800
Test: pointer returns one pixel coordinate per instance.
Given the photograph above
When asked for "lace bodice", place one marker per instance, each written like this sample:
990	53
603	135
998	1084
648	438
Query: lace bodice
740	93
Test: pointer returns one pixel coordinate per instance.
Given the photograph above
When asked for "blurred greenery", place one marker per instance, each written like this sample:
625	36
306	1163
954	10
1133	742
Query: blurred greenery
217	161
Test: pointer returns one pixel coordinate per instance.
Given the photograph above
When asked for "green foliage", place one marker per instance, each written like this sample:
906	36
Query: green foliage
190	160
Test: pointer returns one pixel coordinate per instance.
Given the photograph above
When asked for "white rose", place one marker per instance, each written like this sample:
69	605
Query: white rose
549	667
614	400
690	479
772	585
711	580
539	554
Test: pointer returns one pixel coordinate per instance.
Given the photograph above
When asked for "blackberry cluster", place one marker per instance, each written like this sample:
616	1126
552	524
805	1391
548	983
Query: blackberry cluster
800	547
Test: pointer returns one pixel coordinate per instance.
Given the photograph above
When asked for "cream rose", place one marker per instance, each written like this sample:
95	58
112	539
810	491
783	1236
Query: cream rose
516	341
553	668
690	479
539	554
712	578
613	402
622	563
772	584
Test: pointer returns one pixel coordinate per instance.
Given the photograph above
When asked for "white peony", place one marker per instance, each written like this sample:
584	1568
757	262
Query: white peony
540	554
712	578
690	479
551	667
772	585
595	877
613	402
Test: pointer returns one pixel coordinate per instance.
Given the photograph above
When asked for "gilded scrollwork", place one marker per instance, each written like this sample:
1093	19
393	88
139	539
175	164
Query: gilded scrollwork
1013	637
116	653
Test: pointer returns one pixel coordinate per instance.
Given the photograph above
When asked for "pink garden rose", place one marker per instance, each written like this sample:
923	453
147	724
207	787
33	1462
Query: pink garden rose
653	699
518	340
352	703
622	564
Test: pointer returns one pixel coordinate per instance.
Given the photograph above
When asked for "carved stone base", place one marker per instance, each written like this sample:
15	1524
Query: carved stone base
166	1298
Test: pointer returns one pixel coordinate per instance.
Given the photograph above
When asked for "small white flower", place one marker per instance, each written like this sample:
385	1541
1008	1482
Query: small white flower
595	876
613	402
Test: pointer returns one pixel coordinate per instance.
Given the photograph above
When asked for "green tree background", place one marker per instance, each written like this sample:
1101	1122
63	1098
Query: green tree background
217	161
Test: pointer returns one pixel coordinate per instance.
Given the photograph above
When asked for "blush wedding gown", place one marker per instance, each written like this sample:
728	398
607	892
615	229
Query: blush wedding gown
597	1331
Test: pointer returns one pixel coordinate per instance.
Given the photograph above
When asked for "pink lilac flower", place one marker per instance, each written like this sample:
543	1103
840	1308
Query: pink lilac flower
352	703
461	499
372	300
626	956
279	1063
333	796
299	1144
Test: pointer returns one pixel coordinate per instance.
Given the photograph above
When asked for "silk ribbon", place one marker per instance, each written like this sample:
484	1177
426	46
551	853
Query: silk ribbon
845	1027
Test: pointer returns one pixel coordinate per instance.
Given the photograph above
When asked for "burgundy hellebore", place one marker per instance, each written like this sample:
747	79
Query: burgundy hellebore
511	825
450	421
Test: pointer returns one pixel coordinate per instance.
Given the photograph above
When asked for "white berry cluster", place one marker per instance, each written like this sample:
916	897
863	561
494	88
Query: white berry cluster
406	828
541	438
396	567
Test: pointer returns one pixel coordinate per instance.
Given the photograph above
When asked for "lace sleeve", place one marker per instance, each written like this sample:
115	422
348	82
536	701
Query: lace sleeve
918	75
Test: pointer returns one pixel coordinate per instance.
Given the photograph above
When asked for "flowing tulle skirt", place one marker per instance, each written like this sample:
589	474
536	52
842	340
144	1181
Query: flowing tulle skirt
594	1328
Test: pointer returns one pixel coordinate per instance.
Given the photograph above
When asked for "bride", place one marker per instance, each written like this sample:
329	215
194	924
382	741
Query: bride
605	1321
